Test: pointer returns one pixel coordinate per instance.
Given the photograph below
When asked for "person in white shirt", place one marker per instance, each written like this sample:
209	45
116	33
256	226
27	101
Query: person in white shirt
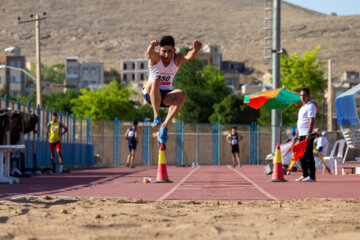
305	130
158	91
321	142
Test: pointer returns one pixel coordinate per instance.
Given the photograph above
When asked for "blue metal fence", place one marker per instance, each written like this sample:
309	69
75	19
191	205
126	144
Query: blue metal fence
102	142
76	150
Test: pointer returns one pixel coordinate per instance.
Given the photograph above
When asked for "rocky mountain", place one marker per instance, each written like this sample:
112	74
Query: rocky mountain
112	30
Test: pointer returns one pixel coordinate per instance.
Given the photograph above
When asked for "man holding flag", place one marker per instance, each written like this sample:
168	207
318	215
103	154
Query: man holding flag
305	131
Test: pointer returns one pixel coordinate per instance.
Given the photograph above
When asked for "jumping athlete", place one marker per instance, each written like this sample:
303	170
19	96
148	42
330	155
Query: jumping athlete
233	140
54	129
132	137
158	91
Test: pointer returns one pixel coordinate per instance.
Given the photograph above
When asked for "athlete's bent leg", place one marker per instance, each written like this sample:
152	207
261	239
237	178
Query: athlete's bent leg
155	96
175	99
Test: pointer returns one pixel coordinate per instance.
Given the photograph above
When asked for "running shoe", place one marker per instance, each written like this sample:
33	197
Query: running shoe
308	179
162	138
127	165
157	122
300	179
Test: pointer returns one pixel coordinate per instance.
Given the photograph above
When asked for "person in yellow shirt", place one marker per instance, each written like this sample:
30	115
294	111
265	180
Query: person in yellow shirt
54	129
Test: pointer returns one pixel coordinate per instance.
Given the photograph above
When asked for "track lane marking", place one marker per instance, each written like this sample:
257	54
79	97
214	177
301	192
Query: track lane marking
254	184
177	185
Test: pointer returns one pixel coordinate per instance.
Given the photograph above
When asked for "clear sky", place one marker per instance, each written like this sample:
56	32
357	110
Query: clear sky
341	7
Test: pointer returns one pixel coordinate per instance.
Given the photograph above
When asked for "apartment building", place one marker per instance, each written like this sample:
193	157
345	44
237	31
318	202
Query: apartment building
83	74
232	71
134	70
210	55
11	72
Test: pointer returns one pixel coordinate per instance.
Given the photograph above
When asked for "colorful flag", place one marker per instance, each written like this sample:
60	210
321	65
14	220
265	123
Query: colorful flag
299	150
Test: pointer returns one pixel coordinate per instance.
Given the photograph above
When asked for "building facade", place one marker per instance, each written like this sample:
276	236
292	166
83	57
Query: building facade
12	75
83	74
210	55
232	71
134	70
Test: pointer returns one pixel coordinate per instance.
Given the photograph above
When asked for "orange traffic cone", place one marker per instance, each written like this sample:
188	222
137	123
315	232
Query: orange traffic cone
162	176
278	175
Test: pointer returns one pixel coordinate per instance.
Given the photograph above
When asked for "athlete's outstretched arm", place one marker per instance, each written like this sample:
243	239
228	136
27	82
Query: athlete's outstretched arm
191	54
153	56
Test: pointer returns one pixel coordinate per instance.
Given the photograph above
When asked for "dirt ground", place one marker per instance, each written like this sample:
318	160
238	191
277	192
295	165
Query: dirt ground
111	218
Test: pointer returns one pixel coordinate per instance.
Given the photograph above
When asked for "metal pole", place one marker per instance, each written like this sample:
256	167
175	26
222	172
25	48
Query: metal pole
275	114
38	62
329	100
197	144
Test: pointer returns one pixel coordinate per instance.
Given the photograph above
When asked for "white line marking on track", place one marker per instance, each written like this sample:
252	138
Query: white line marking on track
177	185
254	184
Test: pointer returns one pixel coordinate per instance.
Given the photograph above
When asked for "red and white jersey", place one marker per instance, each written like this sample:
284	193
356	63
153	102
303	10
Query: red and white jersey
165	74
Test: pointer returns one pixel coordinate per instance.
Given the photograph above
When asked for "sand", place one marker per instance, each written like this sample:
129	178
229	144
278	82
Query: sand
114	218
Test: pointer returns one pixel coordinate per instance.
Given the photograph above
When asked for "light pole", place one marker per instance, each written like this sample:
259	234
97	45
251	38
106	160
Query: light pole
38	60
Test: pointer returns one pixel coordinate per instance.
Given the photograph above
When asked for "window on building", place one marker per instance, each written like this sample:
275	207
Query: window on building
2	63
93	82
133	66
85	83
142	77
216	50
124	77
93	71
205	62
124	66
216	60
2	79
15	64
142	66
85	71
69	70
14	93
133	76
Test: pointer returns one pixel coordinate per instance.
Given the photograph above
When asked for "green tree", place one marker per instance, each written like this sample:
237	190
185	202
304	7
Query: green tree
204	86
61	101
111	73
233	110
296	73
108	102
54	73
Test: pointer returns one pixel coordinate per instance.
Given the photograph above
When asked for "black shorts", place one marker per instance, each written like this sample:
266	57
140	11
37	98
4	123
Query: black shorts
234	148
132	146
163	94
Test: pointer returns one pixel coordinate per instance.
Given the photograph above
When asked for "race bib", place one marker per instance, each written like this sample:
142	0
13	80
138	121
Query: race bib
53	128
131	134
234	142
164	80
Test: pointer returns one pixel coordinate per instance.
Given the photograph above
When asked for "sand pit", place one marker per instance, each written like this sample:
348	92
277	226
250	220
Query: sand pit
114	218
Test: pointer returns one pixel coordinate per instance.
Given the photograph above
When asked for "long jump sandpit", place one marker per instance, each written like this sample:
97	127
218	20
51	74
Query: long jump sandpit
205	203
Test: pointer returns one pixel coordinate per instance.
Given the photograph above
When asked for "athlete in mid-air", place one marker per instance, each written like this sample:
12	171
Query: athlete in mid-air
158	91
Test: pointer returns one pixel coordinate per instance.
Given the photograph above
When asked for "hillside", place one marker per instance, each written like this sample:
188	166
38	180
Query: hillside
113	30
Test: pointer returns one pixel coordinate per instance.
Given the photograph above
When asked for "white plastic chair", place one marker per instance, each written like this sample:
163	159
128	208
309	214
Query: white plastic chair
335	156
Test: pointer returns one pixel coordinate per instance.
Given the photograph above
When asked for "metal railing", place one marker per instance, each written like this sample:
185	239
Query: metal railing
103	143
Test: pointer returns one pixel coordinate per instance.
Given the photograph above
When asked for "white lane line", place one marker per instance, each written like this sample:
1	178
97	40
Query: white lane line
177	185
254	184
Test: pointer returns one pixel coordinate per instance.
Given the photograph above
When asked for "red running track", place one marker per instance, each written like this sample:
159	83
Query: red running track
204	183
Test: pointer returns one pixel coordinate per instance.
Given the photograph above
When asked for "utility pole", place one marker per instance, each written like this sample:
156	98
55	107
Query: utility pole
329	100
38	59
275	113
